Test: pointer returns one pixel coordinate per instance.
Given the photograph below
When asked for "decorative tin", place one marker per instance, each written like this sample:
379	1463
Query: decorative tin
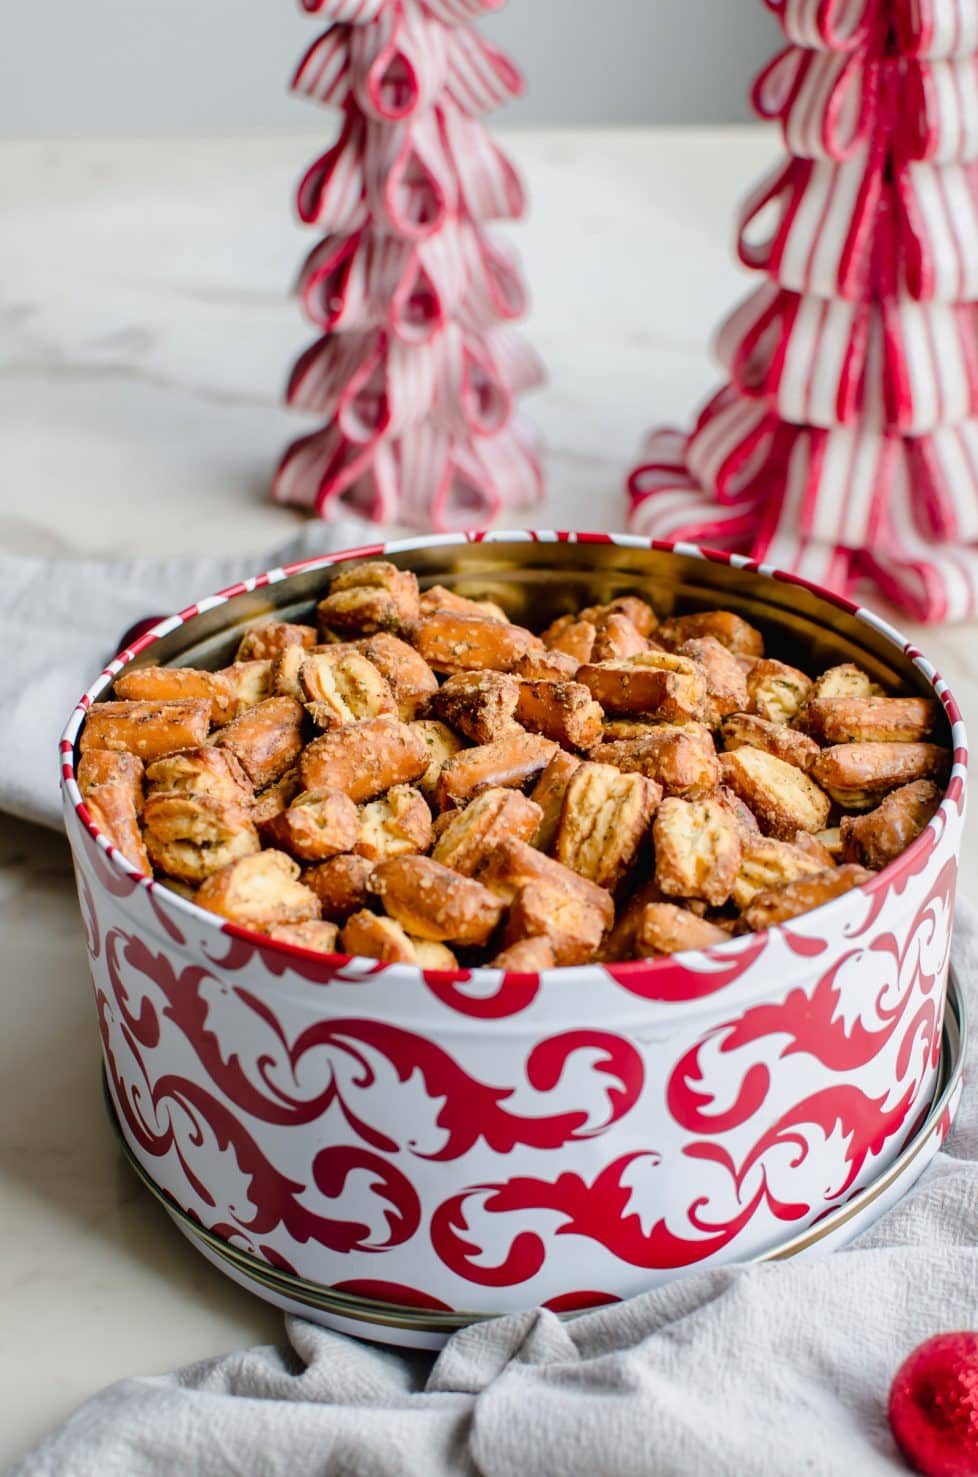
484	1142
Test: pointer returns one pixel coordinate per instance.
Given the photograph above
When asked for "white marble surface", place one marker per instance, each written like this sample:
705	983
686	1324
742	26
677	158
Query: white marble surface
144	338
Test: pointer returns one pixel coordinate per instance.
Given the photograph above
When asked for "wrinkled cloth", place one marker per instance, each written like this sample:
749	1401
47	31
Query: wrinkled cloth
757	1371
61	620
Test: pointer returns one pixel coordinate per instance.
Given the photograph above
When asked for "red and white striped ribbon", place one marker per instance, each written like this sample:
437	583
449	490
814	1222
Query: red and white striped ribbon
372	383
472	396
935	110
932	580
944	468
937	227
348	12
838	25
490	185
515	358
480	76
399	66
729	445
332	192
323	74
826	101
458	12
936	28
494	290
411	183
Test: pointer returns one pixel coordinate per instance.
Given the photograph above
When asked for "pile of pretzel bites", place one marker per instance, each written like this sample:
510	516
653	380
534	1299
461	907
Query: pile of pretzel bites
417	779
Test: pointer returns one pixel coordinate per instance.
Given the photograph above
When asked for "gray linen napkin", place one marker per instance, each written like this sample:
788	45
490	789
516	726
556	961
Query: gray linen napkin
752	1372
59	622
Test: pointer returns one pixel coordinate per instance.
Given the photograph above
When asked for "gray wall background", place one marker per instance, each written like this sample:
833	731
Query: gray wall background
132	66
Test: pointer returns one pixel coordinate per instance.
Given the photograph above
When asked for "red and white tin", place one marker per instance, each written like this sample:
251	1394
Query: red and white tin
484	1142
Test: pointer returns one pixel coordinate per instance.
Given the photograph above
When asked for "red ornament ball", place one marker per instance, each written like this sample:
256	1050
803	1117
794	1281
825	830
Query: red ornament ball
934	1406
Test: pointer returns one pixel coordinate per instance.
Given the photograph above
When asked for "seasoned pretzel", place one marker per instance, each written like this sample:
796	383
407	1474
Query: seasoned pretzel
632	608
340	885
548	793
767	863
726	685
268	639
375	937
858	775
549	899
814	845
365	759
783	799
664	928
562	711
747	828
879	837
433	902
481	705
250	684
571	637
606	814
659	683
776	691
729	629
697	850
438	598
111	786
682	760
549	665
317	825
453	643
470	835
316	936
193	836
174	684
747	730
397	824
148	730
441	743
780	904
259	891
344	689
368	598
526	956
267	739
617	639
277	797
510	763
845	680
204	771
843	720
411	680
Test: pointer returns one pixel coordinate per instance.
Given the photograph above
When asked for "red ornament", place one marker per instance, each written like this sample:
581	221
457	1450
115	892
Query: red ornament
934	1406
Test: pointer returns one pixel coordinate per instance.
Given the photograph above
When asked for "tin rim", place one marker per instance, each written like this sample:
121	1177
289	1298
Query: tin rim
645	967
379	1314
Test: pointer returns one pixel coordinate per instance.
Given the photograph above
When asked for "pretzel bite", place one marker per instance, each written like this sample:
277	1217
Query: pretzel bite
479	704
204	771
846	680
747	828
783	799
510	762
369	598
897	720
665	928
632	608
877	838
831	841
267	739
406	672
526	956
767	863
268	639
277	797
776	691
453	643
317	825
148	730
670	687
172	684
697	850
606	814
340	885
433	902
365	759
550	900
318	937
438	598
441	743
747	730
375	937
549	793
259	891
682	760
397	824
111	786
779	904
286	667
726	686
470	835
616	639
547	666
732	631
250	684
344	689
191	837
572	637
858	775
814	846
563	711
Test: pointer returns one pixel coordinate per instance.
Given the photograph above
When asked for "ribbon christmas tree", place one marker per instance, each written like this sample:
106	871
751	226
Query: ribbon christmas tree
844	446
417	370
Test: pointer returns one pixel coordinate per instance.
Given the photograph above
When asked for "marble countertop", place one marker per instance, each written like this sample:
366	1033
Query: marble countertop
145	334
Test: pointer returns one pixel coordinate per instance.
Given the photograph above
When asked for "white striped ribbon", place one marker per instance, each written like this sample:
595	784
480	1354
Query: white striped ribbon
411	182
480	76
348	12
332	193
839	25
826	101
938	229
937	110
936	28
398	67
490	185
